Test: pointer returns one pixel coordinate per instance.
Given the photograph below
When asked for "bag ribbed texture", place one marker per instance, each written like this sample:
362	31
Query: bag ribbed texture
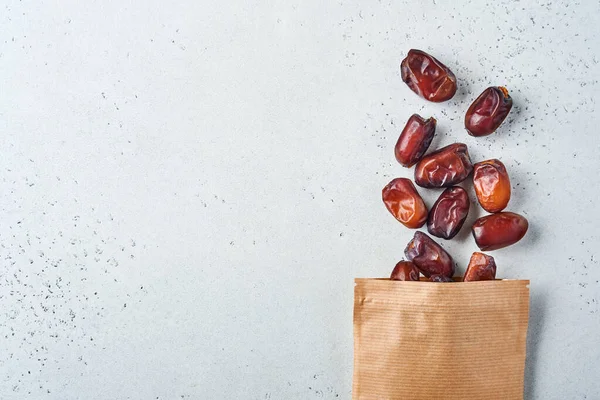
426	341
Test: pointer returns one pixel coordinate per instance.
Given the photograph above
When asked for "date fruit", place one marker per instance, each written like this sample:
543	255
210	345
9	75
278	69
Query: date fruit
492	185
496	231
414	140
428	77
444	167
488	111
405	271
404	203
440	278
481	268
428	256
448	213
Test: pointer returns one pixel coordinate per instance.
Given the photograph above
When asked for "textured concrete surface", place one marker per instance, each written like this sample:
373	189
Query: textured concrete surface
189	188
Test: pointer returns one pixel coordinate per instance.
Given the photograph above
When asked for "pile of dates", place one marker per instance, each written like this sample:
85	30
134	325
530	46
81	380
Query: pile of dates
446	168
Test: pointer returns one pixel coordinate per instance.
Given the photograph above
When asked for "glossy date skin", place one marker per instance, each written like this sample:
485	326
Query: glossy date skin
405	271
499	230
414	140
481	268
444	167
448	213
492	185
440	278
488	111
428	77
404	203
428	256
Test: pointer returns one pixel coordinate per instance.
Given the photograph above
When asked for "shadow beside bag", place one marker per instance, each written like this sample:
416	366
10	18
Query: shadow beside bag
424	340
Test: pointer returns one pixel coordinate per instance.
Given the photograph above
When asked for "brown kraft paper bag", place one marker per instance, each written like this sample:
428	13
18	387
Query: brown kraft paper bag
427	341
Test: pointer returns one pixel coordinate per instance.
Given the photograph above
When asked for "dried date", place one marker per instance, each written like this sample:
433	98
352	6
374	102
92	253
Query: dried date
404	203
444	167
428	256
448	213
488	111
405	271
428	77
481	268
414	140
496	231
440	278
492	185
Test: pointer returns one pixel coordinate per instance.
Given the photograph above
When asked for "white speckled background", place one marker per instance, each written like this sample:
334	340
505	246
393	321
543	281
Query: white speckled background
189	188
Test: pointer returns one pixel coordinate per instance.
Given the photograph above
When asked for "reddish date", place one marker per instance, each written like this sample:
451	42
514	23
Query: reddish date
448	213
492	185
488	111
496	231
444	167
404	203
440	278
481	268
428	256
405	271
428	77
414	140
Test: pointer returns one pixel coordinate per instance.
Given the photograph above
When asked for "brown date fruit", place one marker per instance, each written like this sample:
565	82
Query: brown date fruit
488	111
481	268
440	278
428	256
448	213
444	167
496	231
404	203
492	185
427	77
405	271
414	140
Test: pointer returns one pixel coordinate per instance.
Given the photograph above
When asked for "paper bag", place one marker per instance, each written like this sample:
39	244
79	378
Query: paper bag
427	341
